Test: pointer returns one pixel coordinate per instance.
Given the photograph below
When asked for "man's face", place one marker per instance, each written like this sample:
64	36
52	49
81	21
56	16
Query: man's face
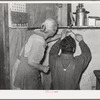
53	31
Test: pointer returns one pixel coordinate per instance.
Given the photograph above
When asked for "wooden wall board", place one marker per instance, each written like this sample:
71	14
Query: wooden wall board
37	13
2	61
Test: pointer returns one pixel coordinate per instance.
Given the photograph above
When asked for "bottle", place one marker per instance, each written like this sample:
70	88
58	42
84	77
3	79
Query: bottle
81	15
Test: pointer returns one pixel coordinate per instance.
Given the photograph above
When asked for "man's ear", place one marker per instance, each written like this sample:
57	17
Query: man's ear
43	27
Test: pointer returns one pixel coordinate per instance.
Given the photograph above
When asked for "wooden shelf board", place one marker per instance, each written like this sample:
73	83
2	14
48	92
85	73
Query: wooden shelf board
74	27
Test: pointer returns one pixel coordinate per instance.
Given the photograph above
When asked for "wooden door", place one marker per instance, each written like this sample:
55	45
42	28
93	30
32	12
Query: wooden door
4	48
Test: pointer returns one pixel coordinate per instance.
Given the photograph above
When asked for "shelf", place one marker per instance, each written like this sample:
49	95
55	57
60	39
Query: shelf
82	27
74	27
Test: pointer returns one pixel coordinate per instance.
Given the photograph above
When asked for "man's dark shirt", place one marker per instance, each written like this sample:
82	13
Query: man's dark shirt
68	80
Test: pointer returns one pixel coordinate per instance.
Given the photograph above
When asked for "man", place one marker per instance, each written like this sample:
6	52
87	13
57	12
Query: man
29	68
66	70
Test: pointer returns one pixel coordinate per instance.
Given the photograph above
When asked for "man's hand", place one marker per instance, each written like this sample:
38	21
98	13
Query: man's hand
45	69
64	33
78	37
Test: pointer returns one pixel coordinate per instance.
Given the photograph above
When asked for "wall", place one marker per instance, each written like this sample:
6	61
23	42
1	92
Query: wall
92	38
37	13
93	8
2	53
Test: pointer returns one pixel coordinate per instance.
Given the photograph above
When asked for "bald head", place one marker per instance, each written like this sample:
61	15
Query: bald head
49	23
49	26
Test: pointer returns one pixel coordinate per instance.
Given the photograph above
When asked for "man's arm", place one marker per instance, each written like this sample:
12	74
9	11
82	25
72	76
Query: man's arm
35	56
38	66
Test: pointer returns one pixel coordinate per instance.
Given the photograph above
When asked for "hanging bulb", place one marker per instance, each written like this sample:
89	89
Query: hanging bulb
59	5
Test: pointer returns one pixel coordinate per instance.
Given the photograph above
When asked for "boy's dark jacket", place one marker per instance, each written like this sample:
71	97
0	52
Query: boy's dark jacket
74	66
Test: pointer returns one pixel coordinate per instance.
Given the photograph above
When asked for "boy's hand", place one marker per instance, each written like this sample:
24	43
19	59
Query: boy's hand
64	33
78	37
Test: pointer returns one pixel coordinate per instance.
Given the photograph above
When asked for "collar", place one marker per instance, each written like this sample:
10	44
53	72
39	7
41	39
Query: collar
67	56
39	32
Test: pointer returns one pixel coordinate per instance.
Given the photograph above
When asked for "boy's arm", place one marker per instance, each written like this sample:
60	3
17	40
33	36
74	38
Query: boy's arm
86	55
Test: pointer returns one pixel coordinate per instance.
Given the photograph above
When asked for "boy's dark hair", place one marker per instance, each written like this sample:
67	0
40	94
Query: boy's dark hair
68	45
